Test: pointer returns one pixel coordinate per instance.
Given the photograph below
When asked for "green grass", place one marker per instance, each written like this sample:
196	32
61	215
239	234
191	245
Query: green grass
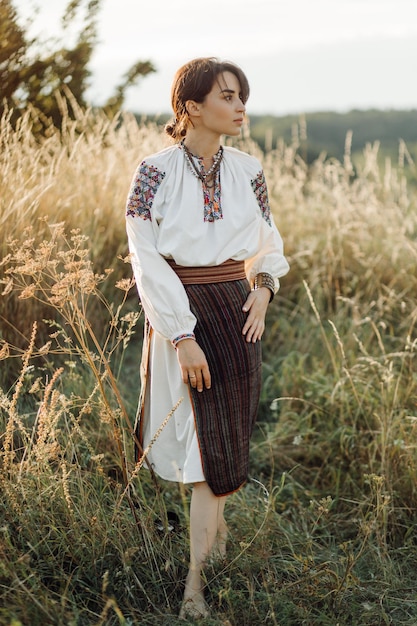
323	534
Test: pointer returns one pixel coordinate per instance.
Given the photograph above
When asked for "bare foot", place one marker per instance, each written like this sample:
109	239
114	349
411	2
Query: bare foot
193	604
194	607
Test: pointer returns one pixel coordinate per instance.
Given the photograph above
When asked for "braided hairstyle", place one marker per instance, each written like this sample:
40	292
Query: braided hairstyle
193	81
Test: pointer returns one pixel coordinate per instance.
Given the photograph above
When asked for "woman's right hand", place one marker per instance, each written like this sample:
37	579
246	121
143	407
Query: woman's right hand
193	364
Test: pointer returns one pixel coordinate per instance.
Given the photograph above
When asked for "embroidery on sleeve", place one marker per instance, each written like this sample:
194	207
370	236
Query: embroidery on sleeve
143	191
261	193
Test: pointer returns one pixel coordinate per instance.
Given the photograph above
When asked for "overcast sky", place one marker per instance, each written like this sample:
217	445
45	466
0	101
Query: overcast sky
299	55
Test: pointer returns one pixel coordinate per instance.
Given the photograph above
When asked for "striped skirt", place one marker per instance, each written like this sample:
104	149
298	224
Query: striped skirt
223	415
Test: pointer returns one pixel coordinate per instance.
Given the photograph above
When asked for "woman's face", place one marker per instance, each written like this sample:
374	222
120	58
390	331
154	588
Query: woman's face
222	112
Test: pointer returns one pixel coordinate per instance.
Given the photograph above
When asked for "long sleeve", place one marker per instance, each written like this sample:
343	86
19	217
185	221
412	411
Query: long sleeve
270	250
161	292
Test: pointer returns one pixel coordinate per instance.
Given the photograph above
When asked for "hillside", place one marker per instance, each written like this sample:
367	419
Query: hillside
326	131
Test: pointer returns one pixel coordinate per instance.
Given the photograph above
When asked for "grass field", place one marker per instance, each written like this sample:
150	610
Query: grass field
324	533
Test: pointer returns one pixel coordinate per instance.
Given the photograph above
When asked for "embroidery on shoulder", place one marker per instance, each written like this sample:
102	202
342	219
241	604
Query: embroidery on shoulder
261	193
143	191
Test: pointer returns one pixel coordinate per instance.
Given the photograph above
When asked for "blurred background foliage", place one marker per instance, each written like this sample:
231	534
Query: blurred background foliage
33	72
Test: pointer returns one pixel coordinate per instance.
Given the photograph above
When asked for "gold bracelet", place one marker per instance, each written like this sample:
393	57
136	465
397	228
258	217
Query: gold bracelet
263	279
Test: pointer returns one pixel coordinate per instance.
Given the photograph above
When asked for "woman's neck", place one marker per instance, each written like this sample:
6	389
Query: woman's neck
202	146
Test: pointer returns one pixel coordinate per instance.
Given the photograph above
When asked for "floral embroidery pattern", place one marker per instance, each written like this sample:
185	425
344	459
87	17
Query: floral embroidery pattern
212	206
261	193
143	191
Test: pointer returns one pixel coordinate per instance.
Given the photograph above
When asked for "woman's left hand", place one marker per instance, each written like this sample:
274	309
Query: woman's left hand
256	306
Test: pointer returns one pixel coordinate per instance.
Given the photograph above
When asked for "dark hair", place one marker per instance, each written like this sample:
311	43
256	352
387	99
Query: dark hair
193	81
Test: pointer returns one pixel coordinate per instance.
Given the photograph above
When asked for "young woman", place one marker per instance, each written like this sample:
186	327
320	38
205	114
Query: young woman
207	258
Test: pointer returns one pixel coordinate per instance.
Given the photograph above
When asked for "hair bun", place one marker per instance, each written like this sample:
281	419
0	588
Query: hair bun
170	128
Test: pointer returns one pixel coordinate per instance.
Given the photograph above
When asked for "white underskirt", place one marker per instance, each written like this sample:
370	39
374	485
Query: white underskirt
176	454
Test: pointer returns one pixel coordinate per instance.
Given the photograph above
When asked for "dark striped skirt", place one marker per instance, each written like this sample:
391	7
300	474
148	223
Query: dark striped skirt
225	414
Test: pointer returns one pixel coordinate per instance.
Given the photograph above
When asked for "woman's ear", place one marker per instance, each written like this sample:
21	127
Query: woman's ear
193	108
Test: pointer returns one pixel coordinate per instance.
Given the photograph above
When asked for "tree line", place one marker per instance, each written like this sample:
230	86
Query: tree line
327	131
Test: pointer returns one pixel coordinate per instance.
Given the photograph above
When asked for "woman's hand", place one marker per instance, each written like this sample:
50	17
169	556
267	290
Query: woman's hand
256	306
193	364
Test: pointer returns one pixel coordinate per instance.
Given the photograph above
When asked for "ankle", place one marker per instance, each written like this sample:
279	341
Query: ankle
194	581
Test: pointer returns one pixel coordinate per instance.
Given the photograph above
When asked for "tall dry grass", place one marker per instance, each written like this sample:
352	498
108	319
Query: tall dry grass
78	176
324	532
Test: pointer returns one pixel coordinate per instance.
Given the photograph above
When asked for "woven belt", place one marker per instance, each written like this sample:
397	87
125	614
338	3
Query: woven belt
227	271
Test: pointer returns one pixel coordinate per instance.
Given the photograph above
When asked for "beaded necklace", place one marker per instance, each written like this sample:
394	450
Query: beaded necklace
208	177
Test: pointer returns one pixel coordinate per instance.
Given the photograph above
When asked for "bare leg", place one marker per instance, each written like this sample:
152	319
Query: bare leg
219	547
206	515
